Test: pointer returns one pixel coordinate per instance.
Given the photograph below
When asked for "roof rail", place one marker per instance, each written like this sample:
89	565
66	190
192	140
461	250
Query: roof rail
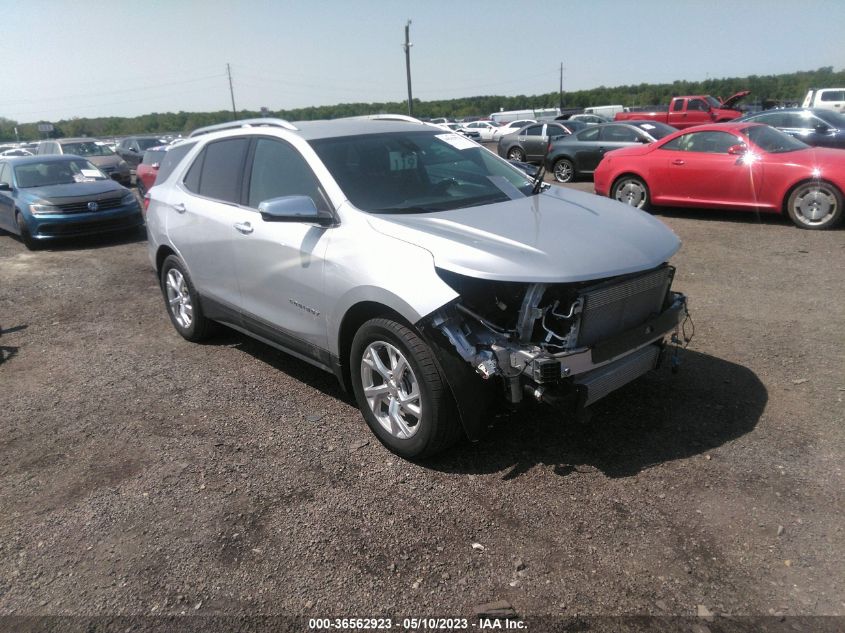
386	117
233	125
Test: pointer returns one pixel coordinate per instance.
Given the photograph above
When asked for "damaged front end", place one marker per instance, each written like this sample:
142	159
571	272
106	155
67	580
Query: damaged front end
559	343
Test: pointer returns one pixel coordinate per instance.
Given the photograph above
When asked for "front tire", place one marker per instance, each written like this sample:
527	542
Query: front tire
632	191
182	301
815	206
515	153
400	391
564	170
26	237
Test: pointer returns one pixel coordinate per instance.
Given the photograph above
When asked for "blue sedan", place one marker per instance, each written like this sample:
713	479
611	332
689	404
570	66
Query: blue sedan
47	197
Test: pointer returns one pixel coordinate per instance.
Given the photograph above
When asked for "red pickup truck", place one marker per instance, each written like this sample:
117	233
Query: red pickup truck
691	110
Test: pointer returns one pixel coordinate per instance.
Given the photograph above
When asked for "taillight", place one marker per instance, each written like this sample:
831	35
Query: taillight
146	203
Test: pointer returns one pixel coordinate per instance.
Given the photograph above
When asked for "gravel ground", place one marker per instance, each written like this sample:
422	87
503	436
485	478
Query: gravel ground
141	474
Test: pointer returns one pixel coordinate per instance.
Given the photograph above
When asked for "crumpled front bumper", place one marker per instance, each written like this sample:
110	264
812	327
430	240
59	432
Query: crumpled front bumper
593	372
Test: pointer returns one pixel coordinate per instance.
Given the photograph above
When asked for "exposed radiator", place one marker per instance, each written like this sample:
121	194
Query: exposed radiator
615	307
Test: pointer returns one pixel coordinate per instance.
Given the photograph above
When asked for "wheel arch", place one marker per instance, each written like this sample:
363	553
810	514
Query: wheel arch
163	252
352	320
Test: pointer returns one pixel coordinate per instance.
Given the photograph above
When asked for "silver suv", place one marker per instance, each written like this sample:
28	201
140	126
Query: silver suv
431	276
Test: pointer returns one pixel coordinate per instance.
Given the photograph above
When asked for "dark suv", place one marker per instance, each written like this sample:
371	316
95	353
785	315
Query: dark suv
132	148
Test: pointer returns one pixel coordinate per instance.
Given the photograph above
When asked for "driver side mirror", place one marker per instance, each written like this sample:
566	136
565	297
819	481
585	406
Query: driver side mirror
821	128
738	149
5	186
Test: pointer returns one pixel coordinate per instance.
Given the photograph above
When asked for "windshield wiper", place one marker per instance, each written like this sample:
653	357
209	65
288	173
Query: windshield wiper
405	210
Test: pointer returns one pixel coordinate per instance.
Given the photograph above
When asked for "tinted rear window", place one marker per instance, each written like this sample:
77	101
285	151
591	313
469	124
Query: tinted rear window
172	158
220	167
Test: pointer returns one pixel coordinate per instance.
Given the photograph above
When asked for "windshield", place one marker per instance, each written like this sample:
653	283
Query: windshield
713	102
417	172
56	172
773	141
87	148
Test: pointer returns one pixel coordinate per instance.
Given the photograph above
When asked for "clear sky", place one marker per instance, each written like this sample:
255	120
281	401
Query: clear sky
88	58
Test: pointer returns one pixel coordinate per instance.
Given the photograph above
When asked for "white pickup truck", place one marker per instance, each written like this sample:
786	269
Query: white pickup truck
827	98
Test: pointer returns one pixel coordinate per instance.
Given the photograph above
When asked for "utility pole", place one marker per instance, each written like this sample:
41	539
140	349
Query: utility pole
231	92
561	86
407	47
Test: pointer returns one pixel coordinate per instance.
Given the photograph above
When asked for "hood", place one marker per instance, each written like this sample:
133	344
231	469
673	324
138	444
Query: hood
61	194
730	102
558	236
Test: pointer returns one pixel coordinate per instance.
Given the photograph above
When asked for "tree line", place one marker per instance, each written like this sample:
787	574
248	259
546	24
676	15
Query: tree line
790	87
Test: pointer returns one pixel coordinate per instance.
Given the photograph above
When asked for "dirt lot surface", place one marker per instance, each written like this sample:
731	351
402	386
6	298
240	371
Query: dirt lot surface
141	474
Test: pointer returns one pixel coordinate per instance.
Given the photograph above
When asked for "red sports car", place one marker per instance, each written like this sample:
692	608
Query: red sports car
731	166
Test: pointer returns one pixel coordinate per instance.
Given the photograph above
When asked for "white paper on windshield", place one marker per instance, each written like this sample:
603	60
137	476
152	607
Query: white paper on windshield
647	126
457	141
81	178
90	173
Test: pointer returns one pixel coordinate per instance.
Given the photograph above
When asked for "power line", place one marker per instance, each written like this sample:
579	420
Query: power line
113	103
88	95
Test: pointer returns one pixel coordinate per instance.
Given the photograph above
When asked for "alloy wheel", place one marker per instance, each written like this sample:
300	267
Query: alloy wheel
814	204
179	298
391	389
631	192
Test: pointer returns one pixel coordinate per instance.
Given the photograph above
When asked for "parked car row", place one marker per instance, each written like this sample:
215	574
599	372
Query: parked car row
517	294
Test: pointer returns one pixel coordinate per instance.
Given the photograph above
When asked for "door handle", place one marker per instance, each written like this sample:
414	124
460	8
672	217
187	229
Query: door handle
244	227
678	161
179	207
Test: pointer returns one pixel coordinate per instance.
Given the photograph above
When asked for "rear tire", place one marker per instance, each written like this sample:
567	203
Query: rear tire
515	153
564	170
633	191
815	206
400	391
182	301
